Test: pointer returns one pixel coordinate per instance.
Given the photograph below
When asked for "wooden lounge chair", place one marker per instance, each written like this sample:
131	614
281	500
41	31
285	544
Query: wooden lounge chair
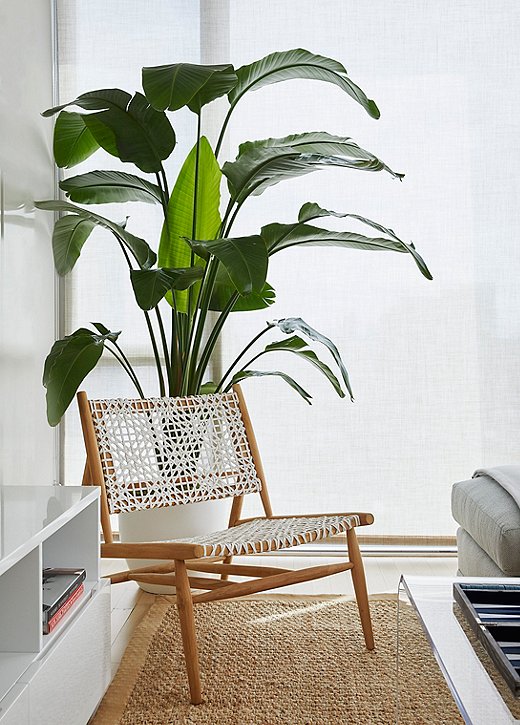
170	451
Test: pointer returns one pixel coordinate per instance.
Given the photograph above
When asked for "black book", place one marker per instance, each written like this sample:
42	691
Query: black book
58	585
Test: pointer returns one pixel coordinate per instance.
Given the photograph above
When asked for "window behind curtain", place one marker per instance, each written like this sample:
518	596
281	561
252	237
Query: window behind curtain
433	364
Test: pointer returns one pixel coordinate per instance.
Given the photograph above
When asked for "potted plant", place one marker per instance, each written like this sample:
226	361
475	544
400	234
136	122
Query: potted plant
198	265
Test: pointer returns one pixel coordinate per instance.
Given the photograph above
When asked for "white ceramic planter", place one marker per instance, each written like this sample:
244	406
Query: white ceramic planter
171	523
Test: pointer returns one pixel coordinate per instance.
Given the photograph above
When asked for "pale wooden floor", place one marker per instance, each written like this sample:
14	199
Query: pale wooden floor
130	604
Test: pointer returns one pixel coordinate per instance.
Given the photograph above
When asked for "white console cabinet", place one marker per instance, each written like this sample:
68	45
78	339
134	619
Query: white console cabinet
58	678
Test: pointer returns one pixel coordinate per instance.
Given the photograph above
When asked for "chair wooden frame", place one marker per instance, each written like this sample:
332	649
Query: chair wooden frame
182	556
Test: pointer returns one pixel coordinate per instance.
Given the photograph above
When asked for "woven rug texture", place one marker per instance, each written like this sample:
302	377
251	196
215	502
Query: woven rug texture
279	663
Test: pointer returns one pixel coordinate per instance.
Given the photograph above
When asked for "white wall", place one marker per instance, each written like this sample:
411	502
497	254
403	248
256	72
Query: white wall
27	317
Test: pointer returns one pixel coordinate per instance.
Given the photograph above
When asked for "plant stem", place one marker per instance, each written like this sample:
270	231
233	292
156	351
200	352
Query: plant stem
175	322
175	347
241	355
165	348
127	368
213	338
164	202
165	186
162	181
255	357
225	217
127	361
208	282
233	217
239	206
127	257
194	217
183	327
189	333
196	180
225	124
155	354
195	372
223	130
200	311
150	331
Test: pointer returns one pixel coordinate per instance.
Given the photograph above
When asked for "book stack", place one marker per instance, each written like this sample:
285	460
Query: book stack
61	588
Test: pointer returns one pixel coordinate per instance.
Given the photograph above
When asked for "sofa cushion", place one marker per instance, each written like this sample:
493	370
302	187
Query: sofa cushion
473	561
492	519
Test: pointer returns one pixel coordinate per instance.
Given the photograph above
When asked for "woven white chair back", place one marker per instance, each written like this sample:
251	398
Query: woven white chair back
169	451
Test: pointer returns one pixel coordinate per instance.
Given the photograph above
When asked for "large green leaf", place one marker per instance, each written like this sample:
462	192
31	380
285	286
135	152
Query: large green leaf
103	134
68	363
106	187
69	235
261	164
143	254
297	63
299	347
311	210
150	285
224	290
283	236
254	301
103	330
325	144
73	142
296	324
245	260
244	374
127	127
173	249
186	84
95	101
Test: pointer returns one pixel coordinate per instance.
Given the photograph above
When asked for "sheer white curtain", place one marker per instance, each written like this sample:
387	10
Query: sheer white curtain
433	364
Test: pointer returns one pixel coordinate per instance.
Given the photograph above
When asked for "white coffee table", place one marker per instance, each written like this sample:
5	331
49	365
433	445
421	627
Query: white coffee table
477	698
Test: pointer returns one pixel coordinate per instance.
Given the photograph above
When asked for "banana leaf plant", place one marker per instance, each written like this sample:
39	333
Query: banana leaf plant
198	265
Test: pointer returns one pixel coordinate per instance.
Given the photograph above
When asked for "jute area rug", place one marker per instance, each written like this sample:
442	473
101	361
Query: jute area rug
283	662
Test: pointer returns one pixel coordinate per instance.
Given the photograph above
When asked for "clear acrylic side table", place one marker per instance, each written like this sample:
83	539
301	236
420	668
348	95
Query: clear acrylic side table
476	696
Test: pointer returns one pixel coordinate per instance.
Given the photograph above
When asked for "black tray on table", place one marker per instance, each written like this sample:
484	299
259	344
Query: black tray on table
493	613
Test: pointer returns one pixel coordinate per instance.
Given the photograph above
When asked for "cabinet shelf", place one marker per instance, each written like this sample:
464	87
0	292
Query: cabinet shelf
89	591
42	676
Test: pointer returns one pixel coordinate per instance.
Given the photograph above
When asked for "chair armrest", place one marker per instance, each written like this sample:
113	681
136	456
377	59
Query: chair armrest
152	550
365	519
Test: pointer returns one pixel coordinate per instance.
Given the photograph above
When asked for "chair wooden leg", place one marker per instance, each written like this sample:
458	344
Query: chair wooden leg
189	641
360	587
227	560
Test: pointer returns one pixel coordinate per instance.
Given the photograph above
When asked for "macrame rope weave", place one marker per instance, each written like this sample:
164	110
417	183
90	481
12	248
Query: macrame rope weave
259	535
169	451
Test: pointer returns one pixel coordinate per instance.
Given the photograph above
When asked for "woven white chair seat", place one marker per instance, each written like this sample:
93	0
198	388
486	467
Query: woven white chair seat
260	535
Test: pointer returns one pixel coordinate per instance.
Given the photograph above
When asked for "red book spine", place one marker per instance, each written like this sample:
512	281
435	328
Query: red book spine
51	624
